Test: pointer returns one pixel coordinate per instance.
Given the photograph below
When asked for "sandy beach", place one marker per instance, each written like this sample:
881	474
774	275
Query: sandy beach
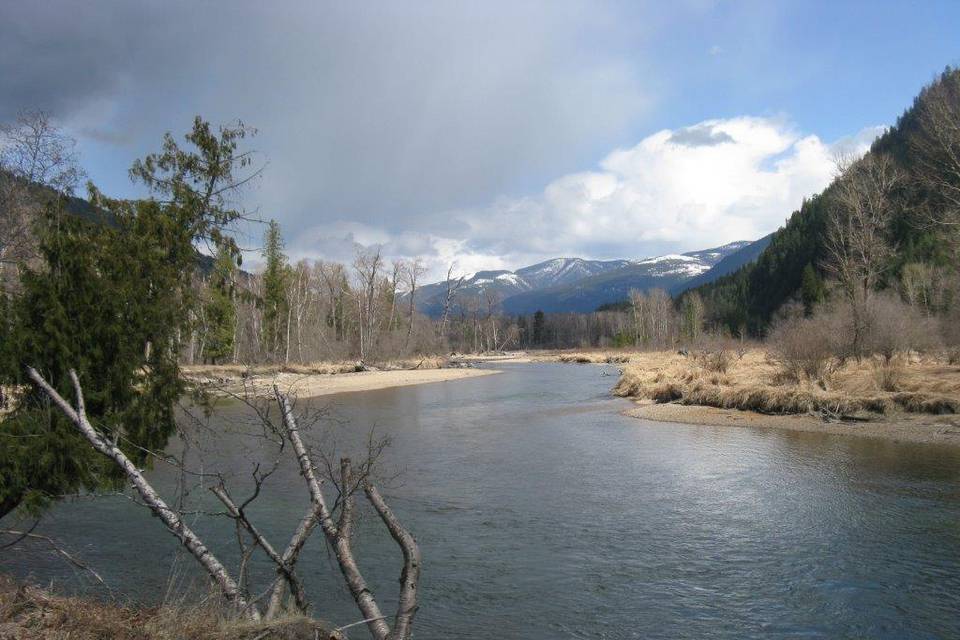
916	428
507	356
309	385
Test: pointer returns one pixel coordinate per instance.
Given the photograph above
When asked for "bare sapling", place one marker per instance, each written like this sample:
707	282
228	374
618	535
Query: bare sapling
336	522
338	533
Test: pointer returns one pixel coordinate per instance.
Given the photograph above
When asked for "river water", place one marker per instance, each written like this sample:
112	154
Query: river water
543	513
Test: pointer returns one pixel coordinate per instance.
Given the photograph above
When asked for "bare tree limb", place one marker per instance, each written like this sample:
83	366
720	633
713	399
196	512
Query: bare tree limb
335	535
290	556
284	566
410	575
71	559
170	518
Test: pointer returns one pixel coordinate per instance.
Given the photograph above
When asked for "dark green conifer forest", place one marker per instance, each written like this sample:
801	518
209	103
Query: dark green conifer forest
923	231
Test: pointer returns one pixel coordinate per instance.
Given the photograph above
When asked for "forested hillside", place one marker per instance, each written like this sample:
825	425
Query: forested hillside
920	230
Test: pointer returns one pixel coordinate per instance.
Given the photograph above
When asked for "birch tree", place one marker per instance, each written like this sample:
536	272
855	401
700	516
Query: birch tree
413	272
336	522
858	248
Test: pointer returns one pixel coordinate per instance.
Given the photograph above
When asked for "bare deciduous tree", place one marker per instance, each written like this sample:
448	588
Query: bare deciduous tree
453	285
936	143
339	535
857	243
414	270
34	153
36	150
367	267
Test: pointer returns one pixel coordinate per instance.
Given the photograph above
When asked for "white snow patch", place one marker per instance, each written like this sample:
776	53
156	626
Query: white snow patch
671	256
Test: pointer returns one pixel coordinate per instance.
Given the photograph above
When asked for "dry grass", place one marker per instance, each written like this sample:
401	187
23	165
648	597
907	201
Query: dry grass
30	613
754	383
592	357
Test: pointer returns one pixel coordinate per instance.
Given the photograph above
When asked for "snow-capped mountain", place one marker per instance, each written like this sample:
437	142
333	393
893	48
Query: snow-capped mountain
573	284
493	287
564	271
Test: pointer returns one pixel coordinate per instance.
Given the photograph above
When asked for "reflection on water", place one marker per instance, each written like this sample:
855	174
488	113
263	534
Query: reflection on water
543	513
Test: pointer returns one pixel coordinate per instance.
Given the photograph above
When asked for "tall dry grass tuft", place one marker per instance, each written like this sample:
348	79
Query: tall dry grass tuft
592	357
755	383
888	374
31	613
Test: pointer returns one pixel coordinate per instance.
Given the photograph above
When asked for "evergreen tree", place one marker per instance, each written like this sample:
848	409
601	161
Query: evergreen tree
112	297
812	289
691	316
538	328
107	304
219	310
275	276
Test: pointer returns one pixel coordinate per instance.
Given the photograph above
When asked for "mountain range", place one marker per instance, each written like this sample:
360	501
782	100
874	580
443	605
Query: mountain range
580	285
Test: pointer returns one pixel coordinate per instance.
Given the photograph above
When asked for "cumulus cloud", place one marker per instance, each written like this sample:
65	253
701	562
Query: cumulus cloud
676	190
718	181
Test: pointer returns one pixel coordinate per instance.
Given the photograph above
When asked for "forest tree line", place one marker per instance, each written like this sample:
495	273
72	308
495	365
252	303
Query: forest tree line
318	310
889	222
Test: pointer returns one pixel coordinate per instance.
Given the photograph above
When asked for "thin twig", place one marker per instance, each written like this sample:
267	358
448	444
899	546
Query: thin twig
36	536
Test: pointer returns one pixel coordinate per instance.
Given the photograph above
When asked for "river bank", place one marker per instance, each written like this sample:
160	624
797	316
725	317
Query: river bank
322	379
29	612
920	429
918	404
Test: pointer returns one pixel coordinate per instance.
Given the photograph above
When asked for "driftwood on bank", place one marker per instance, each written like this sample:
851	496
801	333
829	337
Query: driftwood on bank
336	524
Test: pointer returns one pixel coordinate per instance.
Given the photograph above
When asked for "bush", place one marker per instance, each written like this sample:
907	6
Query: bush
803	348
950	333
894	327
715	361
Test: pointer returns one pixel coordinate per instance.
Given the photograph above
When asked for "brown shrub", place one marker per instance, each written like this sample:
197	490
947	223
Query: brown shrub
803	348
716	361
894	327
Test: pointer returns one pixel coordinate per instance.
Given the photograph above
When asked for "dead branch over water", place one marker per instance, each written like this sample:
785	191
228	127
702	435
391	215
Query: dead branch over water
335	522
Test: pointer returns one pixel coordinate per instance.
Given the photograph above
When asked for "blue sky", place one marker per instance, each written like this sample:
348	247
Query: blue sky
833	66
494	134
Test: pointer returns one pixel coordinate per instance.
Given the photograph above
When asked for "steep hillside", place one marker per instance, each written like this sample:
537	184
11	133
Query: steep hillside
41	196
727	265
750	296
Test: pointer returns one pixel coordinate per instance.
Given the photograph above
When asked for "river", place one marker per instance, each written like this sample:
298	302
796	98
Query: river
543	513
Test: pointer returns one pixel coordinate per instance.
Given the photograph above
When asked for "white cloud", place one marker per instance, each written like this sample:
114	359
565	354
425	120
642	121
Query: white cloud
676	190
714	182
